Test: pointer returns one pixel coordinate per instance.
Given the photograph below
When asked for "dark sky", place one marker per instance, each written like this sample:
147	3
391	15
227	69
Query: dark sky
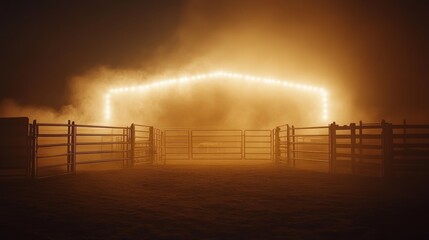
376	52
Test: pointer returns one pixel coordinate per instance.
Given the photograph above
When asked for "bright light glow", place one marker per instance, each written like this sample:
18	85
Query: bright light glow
240	77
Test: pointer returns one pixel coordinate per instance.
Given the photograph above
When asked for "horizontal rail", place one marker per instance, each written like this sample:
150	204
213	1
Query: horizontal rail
142	137
54	165
53	135
369	136
413	135
303	151
215	130
368	146
311	160
53	125
206	153
410	126
100	143
259	147
225	136
307	128
308	143
54	145
102	161
214	147
140	125
259	136
143	131
100	152
98	126
359	156
411	145
52	156
309	135
101	135
358	146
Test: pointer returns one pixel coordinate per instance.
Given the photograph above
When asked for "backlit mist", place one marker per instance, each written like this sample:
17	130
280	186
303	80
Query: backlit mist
368	56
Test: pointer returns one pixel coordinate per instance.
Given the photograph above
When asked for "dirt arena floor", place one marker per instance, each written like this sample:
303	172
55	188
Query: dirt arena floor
214	202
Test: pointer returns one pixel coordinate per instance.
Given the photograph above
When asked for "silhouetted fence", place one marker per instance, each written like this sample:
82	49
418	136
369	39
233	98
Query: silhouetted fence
380	149
298	146
46	149
217	144
60	148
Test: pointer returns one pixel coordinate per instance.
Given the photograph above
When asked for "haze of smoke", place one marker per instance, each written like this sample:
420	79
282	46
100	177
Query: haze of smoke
10	108
277	40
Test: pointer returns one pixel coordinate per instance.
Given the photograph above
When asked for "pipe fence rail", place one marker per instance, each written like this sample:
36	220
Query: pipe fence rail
38	150
216	144
60	148
377	149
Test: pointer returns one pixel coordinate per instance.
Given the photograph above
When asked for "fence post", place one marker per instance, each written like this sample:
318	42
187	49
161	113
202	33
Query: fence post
288	144
387	142
293	146
69	136
132	142
277	154
73	147
34	134
151	145
404	138
332	147
353	146
29	150
360	146
164	160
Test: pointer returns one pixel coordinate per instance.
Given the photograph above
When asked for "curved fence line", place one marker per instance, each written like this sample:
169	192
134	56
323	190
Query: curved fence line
46	149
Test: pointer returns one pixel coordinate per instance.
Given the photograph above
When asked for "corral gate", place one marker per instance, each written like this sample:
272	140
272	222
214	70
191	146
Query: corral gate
146	144
47	149
209	144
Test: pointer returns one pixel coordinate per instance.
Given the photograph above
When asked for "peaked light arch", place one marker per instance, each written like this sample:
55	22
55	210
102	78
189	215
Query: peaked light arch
201	77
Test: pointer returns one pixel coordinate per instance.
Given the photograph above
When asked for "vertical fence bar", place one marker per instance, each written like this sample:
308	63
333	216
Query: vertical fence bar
272	148
242	144
151	145
163	147
387	142
68	146
124	149
332	143
128	144
189	145
132	142
353	146
277	154
73	147
288	144
34	150
404	139
360	146
29	150
293	146
158	145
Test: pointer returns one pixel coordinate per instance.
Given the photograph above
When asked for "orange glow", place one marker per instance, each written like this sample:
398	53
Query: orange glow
216	75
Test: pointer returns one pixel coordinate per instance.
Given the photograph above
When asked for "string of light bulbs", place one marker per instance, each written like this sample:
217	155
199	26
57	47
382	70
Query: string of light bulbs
186	79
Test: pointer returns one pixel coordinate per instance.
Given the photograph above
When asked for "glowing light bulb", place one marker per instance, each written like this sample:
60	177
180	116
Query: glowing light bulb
206	77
